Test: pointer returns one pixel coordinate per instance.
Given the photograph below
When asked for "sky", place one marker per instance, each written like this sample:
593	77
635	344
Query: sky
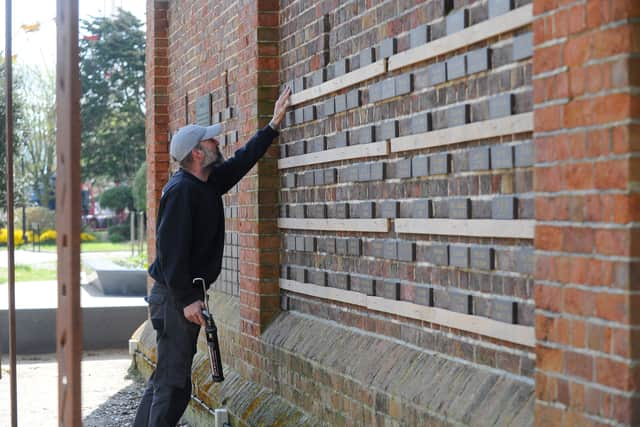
38	48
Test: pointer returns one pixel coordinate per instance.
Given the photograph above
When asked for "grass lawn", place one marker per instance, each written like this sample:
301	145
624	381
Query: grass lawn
24	273
91	247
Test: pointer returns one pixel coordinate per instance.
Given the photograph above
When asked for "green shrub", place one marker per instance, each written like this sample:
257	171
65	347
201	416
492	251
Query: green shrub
118	233
117	198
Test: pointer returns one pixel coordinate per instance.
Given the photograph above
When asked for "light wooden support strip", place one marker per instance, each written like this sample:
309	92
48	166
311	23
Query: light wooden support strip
504	23
375	149
360	75
377	225
501	228
480	130
518	334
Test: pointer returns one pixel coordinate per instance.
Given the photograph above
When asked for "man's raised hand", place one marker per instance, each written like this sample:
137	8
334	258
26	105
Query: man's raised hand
281	106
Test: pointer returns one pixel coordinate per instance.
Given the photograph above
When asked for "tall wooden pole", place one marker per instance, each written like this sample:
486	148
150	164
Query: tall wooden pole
10	226
69	321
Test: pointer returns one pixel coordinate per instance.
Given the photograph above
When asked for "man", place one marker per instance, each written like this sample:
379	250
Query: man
189	244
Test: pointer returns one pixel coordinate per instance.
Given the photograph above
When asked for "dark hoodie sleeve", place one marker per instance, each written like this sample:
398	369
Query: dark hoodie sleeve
233	169
174	237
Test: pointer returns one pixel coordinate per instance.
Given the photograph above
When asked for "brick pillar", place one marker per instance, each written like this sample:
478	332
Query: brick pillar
157	103
587	239
259	239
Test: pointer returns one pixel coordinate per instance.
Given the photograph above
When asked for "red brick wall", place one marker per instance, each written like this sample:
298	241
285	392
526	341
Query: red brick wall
586	179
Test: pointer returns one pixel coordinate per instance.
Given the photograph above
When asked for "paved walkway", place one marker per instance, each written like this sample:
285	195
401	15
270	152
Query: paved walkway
103	376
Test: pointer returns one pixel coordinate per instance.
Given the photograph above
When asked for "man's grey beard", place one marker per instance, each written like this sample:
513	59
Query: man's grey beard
213	158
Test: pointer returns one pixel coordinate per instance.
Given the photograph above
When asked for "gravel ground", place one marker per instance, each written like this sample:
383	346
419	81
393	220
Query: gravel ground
110	391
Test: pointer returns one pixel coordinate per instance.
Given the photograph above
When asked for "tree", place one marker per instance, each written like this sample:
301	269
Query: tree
117	198
18	127
112	65
38	151
140	188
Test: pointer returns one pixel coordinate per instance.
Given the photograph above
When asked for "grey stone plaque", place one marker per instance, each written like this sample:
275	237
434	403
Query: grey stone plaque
504	207
390	249
330	245
499	7
341	103
525	260
309	244
459	301
421	123
298	148
290	180
309	113
378	171
459	256
457	116
406	251
439	164
388	47
227	113
419	36
317	144
341	67
366	134
342	139
403	168
299	274
457	21
456	67
388	130
367	56
299	84
404	84
342	210
478	60
354	246
388	289
307	178
482	258
522	46
438	254
363	284
375	92
366	209
422	295
329	107
364	172
353	99
460	208
479	159
388	88
318	277
420	166
501	105
338	280
441	298
387	209
299	117
330	176
203	110
377	248
421	209
318	77
341	246
290	243
501	157
504	311
436	73
524	155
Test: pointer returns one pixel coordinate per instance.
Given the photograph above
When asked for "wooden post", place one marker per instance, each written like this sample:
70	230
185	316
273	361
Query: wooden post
69	320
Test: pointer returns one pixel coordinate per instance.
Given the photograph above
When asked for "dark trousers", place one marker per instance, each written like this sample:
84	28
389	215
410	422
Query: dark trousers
169	388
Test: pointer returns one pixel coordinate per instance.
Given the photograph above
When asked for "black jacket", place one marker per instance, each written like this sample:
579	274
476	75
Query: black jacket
190	224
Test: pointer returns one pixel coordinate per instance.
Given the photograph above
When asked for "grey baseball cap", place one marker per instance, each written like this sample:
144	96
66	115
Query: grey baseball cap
188	137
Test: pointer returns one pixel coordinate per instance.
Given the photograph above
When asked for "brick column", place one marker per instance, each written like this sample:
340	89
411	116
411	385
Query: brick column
157	103
587	239
259	239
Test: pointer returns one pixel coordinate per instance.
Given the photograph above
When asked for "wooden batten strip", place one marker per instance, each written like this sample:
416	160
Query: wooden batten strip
518	334
377	225
499	228
354	77
375	149
479	130
502	24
